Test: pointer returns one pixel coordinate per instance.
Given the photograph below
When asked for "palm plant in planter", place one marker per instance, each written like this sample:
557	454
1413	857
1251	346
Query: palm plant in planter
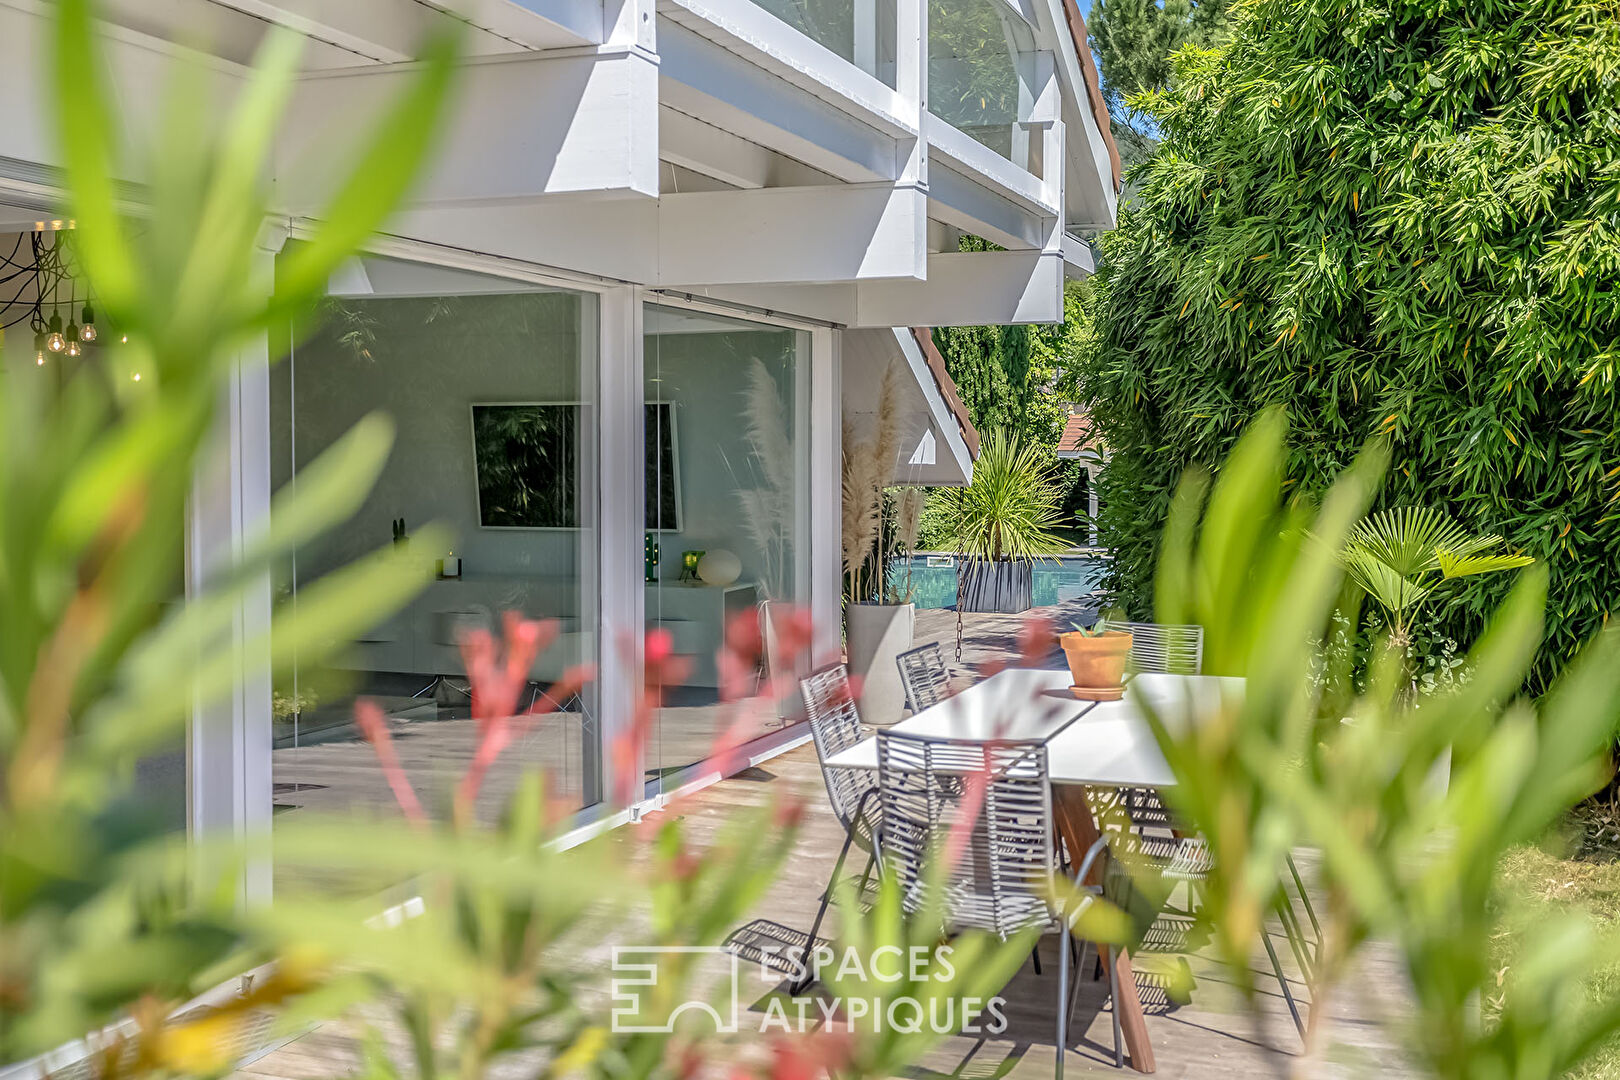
1001	523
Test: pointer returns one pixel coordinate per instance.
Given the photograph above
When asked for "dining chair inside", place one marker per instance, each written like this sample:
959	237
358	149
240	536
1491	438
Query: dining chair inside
923	674
990	804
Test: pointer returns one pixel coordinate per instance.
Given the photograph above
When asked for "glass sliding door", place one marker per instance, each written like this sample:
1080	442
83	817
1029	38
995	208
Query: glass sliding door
491	385
727	407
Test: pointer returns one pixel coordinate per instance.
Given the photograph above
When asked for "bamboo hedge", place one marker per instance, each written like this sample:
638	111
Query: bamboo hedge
1398	220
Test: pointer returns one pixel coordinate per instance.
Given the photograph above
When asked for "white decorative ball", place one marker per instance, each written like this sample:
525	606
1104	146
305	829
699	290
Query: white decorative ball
719	567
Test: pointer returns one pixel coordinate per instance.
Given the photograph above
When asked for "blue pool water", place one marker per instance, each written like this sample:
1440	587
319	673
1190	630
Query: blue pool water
1066	577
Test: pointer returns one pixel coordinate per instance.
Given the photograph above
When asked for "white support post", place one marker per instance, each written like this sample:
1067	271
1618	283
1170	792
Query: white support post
911	81
620	523
229	742
826	495
1091	500
866	36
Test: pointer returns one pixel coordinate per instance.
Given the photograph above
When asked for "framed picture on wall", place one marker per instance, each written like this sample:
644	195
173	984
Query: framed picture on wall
526	459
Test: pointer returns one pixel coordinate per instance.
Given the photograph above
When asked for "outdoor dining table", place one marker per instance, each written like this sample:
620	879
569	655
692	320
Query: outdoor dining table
1090	744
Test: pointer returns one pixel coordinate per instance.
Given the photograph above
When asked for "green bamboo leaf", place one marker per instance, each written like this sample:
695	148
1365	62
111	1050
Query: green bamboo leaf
84	120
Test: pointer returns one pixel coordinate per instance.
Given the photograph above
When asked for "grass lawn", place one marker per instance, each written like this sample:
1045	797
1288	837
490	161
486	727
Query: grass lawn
1586	877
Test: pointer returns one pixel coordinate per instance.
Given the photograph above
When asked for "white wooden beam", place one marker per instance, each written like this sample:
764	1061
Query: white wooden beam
390	31
542	24
706	81
969	289
137	68
692	144
747	29
986	167
963	289
1078	260
769	235
381	30
969	205
811	234
522	126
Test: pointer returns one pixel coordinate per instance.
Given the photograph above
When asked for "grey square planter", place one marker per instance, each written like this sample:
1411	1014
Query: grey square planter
1003	585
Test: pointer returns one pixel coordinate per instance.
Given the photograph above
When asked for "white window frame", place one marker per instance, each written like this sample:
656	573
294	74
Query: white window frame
230	744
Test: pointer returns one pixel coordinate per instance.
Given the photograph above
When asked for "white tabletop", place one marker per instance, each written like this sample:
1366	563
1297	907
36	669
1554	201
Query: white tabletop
1104	744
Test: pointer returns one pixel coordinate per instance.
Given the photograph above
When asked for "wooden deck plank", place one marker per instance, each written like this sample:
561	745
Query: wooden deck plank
1213	1037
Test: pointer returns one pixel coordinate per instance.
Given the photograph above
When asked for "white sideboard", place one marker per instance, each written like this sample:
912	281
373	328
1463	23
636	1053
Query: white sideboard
422	638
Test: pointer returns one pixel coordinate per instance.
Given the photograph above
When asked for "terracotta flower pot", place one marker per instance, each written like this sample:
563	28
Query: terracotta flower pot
1097	663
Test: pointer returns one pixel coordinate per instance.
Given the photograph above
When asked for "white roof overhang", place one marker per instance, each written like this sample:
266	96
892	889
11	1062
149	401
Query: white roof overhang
697	145
932	450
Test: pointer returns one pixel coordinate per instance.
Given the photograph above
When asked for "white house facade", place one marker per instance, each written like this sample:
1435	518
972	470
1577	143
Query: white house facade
665	249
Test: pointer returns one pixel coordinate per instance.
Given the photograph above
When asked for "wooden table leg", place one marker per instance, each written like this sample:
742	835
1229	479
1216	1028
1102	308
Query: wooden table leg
1079	831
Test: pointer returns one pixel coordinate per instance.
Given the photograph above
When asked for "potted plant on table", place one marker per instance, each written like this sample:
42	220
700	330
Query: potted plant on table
1097	659
1001	523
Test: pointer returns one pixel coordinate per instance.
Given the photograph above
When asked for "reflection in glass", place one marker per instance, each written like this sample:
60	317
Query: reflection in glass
975	48
736	393
491	387
860	31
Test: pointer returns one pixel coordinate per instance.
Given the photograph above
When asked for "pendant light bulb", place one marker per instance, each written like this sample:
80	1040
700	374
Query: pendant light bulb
39	347
54	340
73	347
87	332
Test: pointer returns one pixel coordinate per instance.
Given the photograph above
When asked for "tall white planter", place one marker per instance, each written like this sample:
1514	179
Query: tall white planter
875	634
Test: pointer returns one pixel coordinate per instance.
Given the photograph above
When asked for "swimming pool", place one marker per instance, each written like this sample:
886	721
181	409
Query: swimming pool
933	578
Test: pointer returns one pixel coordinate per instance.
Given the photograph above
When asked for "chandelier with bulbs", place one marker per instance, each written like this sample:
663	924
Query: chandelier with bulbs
49	270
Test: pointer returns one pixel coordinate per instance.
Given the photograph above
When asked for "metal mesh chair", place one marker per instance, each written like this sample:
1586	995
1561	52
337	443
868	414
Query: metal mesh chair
922	673
1165	647
1176	858
835	726
1002	881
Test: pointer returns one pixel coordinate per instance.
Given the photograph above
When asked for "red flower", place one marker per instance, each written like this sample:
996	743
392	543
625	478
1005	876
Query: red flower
374	726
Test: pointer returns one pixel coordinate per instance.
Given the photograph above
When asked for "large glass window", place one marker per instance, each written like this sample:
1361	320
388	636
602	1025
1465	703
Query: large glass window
492	387
728	449
860	31
976	50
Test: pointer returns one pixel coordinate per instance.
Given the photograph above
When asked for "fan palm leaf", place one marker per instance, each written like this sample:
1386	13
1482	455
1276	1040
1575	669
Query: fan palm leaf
1400	556
1456	564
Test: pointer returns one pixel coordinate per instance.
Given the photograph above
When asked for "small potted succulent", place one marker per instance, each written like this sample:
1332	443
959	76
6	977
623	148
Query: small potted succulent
1097	659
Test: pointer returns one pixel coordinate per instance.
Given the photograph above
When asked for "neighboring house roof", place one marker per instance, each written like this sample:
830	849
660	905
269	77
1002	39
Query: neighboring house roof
1080	438
1088	68
947	387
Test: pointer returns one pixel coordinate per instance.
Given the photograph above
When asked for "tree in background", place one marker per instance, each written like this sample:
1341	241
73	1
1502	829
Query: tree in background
1133	40
1398	221
1019	379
